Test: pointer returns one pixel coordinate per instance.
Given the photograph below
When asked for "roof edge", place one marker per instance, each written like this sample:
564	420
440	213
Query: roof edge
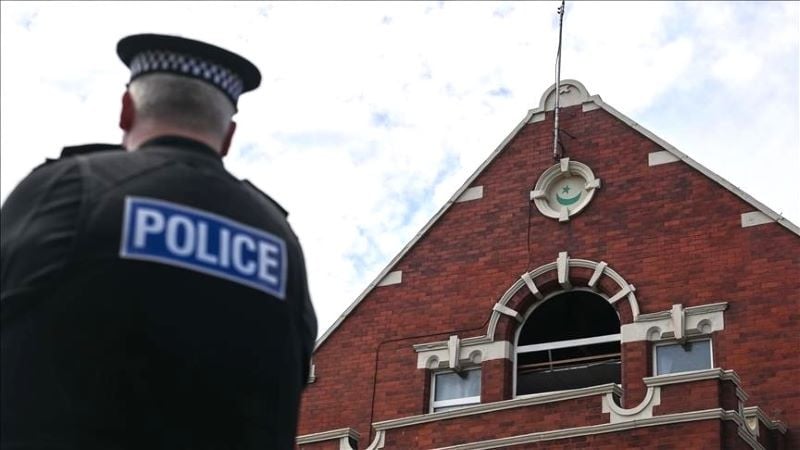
778	218
427	226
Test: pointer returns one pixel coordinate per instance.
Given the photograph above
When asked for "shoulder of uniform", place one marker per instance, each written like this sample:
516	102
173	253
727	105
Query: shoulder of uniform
74	150
263	194
89	148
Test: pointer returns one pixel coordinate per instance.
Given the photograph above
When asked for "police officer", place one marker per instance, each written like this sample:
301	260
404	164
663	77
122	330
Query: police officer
149	298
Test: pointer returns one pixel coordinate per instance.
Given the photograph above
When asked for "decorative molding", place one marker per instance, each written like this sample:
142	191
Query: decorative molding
505	310
473	193
757	413
439	355
643	410
519	402
571	176
676	323
312	372
697	375
526	280
566	433
598	272
526	277
537	117
620	419
753	218
562	265
391	278
589	105
344	435
662	157
454	350
572	93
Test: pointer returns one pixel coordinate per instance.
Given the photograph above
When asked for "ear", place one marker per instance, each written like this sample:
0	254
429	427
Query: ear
226	143
128	113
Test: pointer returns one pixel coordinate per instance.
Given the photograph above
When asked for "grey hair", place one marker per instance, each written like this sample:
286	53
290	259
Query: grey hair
182	102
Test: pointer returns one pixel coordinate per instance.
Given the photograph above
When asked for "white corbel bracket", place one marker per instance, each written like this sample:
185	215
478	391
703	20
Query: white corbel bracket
454	347
676	323
505	310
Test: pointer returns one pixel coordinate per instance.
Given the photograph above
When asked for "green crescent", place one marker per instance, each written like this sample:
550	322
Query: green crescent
568	201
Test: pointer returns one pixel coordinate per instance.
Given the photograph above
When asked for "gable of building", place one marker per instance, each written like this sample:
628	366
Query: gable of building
573	94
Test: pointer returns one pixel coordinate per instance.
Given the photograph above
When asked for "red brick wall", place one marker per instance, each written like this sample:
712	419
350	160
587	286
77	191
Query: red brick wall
703	435
509	422
672	232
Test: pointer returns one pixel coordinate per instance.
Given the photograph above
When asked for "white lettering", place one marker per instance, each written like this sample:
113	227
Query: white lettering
266	261
148	221
224	247
239	240
202	244
173	224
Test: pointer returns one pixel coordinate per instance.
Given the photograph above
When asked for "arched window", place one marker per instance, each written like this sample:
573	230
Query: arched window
570	341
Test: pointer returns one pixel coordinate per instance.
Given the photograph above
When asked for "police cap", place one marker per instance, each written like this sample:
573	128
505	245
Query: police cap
225	70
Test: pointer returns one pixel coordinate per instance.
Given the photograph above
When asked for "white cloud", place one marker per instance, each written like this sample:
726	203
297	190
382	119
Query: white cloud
372	114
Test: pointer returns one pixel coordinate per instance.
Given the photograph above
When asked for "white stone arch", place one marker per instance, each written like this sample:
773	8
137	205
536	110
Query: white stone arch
476	349
562	266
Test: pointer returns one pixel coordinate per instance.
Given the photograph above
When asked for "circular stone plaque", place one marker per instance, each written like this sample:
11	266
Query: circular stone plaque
564	189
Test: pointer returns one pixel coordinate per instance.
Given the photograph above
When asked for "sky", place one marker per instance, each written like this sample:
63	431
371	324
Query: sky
371	115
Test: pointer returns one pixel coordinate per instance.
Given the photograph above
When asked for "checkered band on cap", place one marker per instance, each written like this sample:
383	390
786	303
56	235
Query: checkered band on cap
166	61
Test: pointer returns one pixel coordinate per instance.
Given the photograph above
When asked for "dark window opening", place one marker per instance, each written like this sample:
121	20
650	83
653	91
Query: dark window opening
569	342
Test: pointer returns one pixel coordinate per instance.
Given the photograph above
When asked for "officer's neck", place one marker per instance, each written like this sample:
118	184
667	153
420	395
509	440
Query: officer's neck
144	132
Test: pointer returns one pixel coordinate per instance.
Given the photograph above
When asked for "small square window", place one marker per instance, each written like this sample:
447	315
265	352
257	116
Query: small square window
452	390
691	355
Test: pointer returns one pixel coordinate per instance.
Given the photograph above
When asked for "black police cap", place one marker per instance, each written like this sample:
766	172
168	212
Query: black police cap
225	70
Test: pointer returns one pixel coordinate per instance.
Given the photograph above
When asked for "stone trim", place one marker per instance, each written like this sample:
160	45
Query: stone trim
440	355
505	310
754	218
676	323
697	375
757	413
526	280
473	193
538	195
620	419
643	410
312	372
662	157
519	402
571	93
391	278
589	105
342	434
565	433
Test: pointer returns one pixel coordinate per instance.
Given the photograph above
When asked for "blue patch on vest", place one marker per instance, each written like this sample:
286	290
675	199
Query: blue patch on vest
177	235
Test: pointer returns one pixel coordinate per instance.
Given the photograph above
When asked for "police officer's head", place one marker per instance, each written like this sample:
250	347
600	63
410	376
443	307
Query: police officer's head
182	87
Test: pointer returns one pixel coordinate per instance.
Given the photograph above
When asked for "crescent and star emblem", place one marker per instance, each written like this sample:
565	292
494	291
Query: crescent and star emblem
566	201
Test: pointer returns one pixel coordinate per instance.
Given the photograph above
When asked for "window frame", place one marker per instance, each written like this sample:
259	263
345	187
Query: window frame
674	342
454	403
557	344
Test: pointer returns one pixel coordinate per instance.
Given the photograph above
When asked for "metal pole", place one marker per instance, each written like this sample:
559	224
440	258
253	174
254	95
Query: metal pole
556	155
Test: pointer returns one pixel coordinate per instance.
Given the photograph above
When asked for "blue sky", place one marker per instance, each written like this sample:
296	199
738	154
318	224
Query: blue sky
372	114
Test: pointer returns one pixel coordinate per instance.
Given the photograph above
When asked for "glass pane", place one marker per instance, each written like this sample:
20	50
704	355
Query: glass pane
683	358
451	385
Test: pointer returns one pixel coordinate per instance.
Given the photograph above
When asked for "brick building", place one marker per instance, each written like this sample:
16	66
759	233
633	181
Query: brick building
619	296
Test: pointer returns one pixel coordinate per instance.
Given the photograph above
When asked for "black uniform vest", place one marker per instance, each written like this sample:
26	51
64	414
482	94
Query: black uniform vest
150	300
